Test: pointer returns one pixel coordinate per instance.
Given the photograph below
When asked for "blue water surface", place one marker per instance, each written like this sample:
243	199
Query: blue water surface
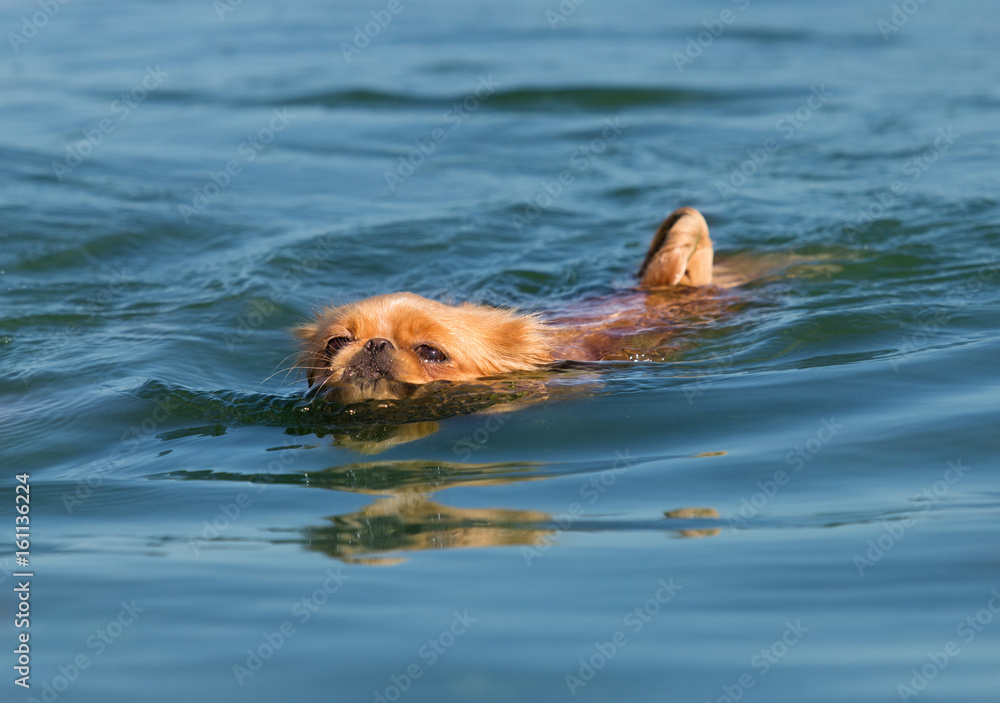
796	501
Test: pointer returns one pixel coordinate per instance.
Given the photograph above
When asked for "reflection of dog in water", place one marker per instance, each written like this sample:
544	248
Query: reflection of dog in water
406	518
388	346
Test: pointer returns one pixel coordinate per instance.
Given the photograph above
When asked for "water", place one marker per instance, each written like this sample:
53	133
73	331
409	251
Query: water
800	501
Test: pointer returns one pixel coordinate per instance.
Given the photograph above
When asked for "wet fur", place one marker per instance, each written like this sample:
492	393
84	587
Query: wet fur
387	333
478	341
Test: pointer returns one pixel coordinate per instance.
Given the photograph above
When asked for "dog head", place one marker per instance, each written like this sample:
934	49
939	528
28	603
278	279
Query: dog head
389	345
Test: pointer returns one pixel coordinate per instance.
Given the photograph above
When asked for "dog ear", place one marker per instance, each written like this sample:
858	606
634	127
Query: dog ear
306	332
680	246
307	335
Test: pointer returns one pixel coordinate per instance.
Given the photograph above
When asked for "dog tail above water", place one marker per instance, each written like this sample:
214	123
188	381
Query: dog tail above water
680	254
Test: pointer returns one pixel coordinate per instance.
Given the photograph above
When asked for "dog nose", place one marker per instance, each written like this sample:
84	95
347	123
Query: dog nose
377	344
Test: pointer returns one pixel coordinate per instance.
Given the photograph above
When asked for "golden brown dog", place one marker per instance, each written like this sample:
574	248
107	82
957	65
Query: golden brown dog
386	346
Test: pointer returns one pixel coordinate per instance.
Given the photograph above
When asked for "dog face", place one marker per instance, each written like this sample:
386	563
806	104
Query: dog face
387	346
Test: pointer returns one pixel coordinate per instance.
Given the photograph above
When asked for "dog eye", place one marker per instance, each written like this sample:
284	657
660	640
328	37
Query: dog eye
336	344
429	353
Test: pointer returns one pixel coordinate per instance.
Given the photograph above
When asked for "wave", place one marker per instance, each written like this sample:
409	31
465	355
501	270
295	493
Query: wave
530	99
